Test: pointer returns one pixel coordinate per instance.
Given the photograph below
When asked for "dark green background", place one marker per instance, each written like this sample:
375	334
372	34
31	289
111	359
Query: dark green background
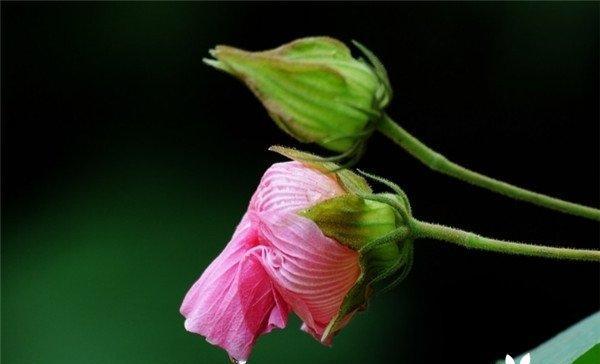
126	165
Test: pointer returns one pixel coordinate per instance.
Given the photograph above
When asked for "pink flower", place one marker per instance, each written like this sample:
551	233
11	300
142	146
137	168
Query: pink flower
276	262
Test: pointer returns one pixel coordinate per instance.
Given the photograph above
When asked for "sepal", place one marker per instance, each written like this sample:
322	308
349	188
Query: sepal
352	182
352	220
382	267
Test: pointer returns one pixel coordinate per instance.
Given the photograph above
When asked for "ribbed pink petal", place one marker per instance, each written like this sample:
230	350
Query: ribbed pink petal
276	261
223	268
314	272
234	302
292	186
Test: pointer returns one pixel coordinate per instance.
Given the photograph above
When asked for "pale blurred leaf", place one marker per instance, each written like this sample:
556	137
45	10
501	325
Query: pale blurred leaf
577	344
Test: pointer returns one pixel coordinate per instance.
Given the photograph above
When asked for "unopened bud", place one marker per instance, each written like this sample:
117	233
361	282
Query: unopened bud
313	88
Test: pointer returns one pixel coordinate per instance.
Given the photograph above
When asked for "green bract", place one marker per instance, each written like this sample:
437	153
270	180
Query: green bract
365	223
351	220
313	88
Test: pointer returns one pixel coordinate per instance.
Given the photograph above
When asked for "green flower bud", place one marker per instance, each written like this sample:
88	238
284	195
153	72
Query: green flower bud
313	88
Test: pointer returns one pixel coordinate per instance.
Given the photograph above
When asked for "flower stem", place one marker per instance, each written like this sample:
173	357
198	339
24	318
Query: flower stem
474	241
439	163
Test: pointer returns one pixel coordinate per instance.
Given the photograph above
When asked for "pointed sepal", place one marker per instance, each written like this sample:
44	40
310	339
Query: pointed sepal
352	182
352	220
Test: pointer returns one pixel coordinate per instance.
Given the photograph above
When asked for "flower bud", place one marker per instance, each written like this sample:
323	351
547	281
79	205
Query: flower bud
313	88
309	243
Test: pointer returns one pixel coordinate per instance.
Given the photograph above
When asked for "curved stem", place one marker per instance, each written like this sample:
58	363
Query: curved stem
474	241
439	163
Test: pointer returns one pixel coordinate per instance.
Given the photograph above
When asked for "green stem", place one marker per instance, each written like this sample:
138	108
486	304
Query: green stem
474	241
439	163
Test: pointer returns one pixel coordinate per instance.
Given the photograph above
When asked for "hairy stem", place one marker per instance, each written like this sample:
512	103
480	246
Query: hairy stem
474	241
439	163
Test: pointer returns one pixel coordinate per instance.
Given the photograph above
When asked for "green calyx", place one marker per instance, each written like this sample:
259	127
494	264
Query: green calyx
352	220
314	89
377	226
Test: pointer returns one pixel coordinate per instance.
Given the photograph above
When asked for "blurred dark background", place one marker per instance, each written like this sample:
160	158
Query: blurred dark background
127	163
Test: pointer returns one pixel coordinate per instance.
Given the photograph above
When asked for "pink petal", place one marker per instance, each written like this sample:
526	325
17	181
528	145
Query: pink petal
222	269
234	302
314	273
276	261
292	186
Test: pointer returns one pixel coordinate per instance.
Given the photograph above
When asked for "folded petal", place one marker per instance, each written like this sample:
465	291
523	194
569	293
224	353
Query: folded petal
234	301
314	272
221	271
292	186
277	261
